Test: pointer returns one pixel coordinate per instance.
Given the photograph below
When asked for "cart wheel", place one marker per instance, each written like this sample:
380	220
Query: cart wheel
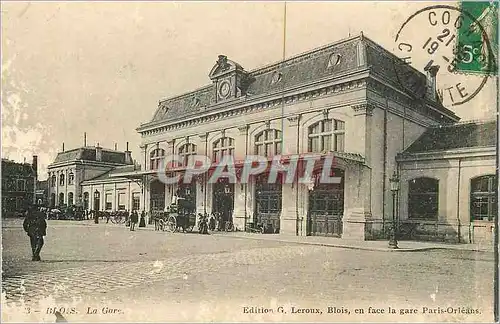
172	224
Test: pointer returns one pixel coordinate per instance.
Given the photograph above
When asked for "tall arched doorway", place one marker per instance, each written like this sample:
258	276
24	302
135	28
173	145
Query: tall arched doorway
326	207
186	192
85	200
268	202
61	199
52	200
157	195
97	200
223	199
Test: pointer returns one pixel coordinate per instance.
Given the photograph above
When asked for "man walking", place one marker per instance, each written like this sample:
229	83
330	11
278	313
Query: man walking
36	227
134	217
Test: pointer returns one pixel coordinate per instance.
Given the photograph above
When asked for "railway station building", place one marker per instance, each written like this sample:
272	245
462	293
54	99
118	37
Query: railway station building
351	99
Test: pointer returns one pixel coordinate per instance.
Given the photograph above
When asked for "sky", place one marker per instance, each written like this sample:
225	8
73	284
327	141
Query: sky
101	68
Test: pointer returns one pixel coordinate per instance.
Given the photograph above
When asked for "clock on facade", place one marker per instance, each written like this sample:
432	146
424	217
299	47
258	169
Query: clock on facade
224	89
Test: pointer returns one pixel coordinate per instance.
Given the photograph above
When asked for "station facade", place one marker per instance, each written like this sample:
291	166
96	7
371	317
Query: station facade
351	99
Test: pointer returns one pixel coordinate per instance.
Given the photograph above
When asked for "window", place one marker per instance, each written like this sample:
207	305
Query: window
185	151
223	146
136	201
21	185
70	198
423	196
327	135
155	158
121	201
61	199
52	200
268	142
85	200
53	181
109	201
483	200
71	178
61	180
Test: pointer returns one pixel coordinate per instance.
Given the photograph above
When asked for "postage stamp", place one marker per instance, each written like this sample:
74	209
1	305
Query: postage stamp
477	38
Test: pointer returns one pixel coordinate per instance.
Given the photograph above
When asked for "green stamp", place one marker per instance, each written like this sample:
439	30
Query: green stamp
477	45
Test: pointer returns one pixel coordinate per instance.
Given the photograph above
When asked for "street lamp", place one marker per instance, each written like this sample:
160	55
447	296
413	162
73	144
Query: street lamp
394	181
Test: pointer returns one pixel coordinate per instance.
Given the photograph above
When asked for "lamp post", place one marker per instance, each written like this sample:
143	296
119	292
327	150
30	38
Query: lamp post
394	181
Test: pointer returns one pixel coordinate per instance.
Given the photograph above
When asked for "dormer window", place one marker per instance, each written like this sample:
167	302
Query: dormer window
277	76
334	60
196	102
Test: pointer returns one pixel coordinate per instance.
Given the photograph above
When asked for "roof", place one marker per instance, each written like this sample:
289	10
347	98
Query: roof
457	136
88	153
120	169
300	70
15	169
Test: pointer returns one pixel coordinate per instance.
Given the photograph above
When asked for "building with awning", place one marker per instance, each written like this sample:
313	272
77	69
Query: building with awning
351	100
345	98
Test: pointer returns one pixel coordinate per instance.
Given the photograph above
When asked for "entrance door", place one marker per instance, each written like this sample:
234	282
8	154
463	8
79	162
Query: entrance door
186	192
268	203
326	208
97	200
157	200
223	200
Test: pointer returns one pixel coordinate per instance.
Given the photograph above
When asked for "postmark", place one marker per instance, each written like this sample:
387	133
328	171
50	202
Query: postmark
452	47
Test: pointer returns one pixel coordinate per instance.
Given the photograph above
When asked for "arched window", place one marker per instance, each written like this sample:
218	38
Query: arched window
61	199
223	146
268	142
185	151
423	197
61	180
71	178
155	158
85	200
53	180
483	198
327	135
70	199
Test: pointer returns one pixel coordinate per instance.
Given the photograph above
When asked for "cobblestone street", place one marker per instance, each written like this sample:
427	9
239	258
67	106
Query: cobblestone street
155	276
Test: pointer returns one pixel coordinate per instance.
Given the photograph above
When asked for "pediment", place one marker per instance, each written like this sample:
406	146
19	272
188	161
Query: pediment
223	66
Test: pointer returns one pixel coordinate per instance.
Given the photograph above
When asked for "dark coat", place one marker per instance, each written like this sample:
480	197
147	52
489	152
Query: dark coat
134	218
35	224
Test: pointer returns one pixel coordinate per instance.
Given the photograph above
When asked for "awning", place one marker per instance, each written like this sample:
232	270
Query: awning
133	174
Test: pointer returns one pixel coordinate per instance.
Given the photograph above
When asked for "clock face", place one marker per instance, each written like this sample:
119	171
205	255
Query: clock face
224	89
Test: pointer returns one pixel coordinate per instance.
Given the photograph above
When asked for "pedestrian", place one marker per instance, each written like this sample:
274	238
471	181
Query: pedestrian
36	227
142	223
133	220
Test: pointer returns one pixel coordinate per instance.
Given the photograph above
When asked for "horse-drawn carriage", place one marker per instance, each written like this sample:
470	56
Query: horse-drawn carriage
180	216
64	213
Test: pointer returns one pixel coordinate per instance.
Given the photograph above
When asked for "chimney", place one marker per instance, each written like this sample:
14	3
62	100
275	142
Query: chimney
63	147
98	153
128	156
432	71
35	164
84	139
